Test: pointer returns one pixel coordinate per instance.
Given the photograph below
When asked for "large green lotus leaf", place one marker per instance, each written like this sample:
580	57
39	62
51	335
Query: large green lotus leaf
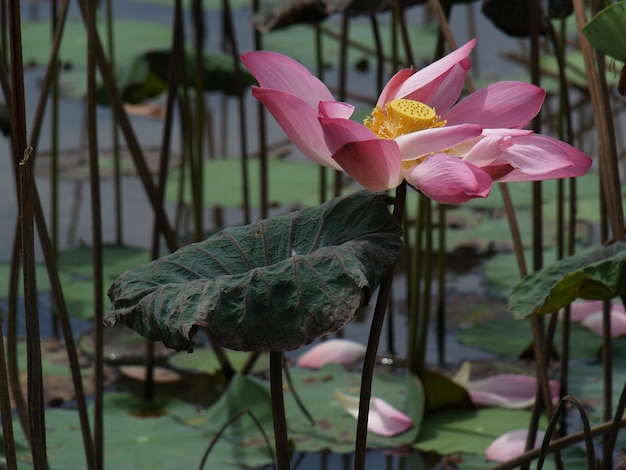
508	337
292	182
273	285
334	428
596	275
605	31
130	39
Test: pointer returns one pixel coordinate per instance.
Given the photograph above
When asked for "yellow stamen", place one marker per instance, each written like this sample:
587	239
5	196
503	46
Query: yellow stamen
402	117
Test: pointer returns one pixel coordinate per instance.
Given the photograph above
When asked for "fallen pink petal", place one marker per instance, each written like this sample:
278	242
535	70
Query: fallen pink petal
595	323
582	309
383	419
418	131
339	351
512	391
510	445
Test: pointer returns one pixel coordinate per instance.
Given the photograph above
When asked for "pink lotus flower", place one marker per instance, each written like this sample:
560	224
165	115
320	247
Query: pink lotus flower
340	351
510	445
451	152
383	419
512	391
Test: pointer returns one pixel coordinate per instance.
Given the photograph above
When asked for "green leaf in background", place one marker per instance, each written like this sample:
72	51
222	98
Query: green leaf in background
146	76
131	37
295	41
502	271
605	31
596	275
273	285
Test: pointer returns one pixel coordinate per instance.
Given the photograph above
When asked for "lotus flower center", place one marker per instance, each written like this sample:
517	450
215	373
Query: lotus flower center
402	117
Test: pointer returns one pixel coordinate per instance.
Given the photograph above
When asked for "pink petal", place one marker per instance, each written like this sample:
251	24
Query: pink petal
374	163
538	157
340	351
500	105
595	323
339	132
442	94
448	180
424	84
438	139
335	109
383	419
513	391
510	445
299	121
390	91
279	72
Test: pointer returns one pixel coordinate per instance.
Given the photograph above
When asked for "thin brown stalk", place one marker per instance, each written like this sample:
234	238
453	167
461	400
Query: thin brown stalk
243	133
278	410
96	234
369	361
5	410
66	327
25	184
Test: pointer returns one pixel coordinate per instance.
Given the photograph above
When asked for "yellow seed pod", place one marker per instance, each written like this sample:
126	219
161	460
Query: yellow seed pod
411	116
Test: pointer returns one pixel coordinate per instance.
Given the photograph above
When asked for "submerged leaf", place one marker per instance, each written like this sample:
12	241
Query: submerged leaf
596	275
273	285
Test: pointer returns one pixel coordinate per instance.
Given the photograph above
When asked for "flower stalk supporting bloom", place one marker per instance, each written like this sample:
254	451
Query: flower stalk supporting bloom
419	131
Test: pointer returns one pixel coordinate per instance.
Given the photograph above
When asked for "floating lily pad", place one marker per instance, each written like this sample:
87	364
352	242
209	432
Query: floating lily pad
502	271
76	274
334	428
135	437
291	182
508	337
57	376
205	361
468	430
274	285
595	275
